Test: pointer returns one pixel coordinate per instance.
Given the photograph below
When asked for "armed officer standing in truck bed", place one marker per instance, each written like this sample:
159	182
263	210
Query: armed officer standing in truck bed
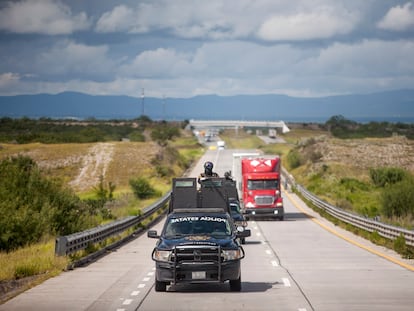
208	171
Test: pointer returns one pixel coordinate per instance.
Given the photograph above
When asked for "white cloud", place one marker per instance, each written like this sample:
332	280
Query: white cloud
215	60
182	18
41	16
398	18
322	23
68	58
8	79
362	60
161	63
218	20
221	68
120	19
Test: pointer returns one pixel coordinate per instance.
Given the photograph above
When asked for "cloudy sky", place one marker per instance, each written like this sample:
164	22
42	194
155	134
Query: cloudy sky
183	48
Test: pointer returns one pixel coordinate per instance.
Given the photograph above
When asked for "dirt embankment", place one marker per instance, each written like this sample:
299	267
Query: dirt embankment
80	166
369	153
94	164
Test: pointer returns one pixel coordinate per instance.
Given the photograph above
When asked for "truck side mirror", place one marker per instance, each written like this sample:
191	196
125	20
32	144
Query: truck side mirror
243	233
153	234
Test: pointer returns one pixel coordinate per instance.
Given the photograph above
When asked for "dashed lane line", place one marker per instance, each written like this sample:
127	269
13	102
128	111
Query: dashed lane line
136	293
127	302
286	282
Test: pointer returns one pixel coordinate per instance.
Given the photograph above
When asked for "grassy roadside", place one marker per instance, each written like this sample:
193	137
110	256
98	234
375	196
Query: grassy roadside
28	267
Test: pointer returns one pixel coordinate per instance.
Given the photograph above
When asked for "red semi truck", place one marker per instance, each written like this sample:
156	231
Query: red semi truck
258	180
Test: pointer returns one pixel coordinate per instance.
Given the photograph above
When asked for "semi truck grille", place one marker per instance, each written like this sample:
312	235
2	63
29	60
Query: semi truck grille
264	200
196	254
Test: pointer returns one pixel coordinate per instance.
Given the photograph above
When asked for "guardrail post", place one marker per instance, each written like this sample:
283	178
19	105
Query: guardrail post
60	246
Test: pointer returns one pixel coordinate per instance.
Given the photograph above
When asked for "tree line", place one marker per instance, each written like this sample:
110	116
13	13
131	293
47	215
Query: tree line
341	127
51	131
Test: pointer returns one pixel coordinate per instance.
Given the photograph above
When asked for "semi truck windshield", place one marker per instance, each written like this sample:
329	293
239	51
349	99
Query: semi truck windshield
259	184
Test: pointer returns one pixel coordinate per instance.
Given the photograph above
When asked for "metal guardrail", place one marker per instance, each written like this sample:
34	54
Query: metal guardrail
72	243
371	225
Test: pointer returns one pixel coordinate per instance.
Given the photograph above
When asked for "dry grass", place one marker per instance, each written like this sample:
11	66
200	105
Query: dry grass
27	267
35	259
57	160
298	134
370	152
116	161
130	160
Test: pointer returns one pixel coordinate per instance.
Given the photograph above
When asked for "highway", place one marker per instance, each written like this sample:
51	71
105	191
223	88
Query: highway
302	263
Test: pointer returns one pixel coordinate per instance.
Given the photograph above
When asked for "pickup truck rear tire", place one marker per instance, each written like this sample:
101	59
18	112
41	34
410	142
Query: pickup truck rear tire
235	285
160	286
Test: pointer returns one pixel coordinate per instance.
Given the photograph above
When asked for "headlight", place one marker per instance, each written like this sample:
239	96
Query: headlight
232	254
159	255
249	204
241	223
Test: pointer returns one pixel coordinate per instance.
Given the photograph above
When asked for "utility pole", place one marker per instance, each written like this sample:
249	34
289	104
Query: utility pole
142	102
163	107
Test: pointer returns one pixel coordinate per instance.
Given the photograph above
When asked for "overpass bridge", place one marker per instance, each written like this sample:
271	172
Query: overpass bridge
202	124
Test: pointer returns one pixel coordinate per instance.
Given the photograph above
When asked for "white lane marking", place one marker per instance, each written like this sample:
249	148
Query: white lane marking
302	309
145	279
286	282
141	285
135	293
258	234
150	273
120	309
269	252
127	301
274	263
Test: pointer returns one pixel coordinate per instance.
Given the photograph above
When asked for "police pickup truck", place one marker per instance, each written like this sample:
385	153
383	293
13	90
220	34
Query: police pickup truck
199	240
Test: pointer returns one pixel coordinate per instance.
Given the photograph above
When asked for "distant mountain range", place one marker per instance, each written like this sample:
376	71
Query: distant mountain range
391	106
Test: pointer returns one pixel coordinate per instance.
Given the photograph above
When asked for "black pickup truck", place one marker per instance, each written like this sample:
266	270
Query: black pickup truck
199	241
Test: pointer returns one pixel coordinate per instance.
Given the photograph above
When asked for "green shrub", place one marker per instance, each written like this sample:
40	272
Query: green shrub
164	171
399	244
164	132
32	206
398	199
136	136
142	188
375	237
353	185
294	159
387	176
